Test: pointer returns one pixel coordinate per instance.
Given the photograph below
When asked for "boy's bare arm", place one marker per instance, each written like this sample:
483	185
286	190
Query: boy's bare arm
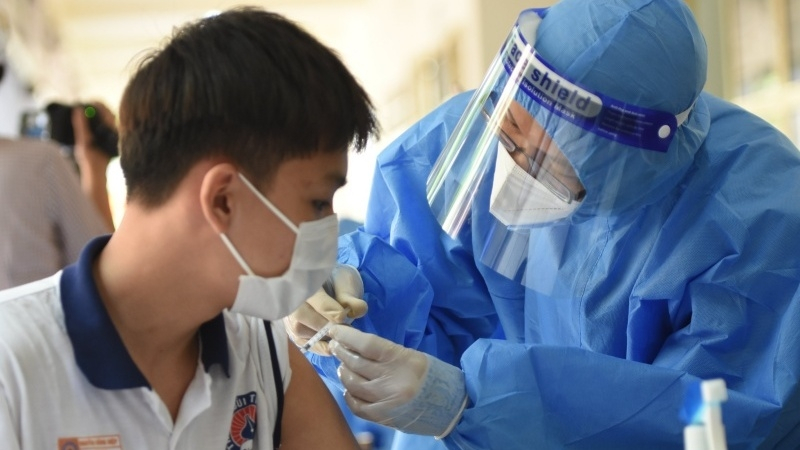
311	417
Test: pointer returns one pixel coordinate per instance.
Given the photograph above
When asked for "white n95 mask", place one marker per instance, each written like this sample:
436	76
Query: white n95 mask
519	199
313	260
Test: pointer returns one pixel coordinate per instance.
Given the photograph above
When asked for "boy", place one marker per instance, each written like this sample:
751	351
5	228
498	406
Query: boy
233	139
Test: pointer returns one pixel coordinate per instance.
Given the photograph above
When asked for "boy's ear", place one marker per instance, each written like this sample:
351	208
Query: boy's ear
216	195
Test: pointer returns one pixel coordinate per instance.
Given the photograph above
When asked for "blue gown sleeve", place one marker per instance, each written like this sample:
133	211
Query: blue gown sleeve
422	287
562	397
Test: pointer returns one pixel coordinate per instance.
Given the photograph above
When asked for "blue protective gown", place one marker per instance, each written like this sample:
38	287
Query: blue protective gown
700	284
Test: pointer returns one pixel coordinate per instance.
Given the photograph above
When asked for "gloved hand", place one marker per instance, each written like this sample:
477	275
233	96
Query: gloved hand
343	289
396	386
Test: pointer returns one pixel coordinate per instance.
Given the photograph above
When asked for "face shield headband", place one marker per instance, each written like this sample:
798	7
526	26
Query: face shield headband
519	108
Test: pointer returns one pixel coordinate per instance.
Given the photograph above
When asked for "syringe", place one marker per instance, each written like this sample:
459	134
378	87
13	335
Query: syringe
323	332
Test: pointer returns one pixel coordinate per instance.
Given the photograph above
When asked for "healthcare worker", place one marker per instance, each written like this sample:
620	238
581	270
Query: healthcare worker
627	233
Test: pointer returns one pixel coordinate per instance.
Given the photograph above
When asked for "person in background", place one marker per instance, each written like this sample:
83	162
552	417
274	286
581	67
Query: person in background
554	259
49	213
167	334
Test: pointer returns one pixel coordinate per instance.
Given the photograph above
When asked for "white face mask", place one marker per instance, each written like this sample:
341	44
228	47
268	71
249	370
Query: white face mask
313	260
518	199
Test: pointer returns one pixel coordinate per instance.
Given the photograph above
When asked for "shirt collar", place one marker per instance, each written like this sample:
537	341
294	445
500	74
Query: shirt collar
99	350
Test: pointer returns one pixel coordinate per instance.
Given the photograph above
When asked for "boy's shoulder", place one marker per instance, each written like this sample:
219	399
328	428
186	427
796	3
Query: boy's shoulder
29	304
32	324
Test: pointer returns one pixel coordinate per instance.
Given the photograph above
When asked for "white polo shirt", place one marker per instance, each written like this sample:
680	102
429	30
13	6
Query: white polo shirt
68	383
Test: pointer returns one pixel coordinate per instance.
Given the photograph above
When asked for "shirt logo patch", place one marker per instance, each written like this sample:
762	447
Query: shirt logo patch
243	424
109	442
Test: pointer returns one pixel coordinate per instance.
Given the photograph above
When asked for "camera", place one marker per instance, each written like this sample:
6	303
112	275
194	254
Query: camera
55	123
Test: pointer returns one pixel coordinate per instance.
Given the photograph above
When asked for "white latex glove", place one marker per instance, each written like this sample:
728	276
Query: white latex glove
346	285
398	387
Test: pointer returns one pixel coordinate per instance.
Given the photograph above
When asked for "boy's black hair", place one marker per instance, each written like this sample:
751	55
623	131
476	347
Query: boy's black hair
246	85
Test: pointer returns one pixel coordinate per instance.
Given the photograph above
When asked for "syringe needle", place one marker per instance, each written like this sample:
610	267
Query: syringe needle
322	333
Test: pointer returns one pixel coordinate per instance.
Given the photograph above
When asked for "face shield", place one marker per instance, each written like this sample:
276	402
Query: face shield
535	150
